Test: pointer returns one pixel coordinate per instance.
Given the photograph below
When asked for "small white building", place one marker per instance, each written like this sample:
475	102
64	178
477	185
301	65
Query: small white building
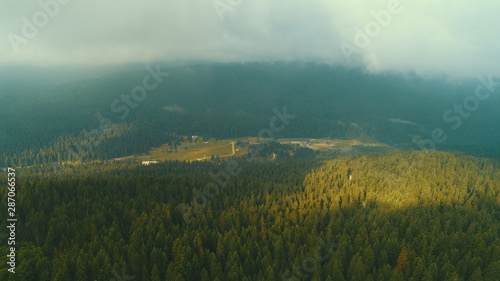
149	162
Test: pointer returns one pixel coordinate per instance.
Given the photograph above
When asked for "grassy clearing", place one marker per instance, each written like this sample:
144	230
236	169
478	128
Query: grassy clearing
196	150
199	149
328	144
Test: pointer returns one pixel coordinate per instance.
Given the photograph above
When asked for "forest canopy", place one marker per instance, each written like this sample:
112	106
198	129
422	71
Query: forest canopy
414	215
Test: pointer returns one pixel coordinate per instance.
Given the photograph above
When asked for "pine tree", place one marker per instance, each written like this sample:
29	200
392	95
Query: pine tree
155	274
477	275
81	274
402	260
63	274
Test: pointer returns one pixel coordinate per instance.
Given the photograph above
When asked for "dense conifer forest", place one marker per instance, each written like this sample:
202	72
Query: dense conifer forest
407	215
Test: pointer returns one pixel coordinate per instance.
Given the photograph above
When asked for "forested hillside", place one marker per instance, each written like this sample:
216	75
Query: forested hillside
414	215
91	115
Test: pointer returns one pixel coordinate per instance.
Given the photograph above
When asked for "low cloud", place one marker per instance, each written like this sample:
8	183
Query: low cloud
424	36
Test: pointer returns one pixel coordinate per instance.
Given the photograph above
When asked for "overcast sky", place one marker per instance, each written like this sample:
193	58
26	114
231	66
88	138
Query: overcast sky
434	36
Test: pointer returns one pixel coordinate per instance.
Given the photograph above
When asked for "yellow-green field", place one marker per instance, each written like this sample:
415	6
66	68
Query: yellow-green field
200	150
328	144
196	151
